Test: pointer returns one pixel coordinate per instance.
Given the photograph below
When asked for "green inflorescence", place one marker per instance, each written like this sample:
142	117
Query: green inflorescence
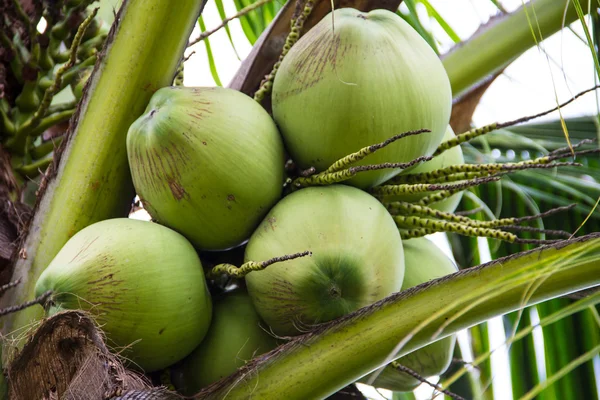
240	272
296	28
446	226
353	158
465	137
417	219
39	69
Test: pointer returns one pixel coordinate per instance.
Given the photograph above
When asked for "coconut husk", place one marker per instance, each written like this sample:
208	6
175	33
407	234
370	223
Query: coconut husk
66	358
269	45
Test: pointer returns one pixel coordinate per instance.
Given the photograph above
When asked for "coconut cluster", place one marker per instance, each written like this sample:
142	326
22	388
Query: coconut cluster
209	165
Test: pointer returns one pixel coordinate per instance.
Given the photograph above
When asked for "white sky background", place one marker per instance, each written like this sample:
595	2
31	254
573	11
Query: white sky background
530	85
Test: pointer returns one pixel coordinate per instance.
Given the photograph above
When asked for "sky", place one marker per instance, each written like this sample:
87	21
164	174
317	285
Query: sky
561	67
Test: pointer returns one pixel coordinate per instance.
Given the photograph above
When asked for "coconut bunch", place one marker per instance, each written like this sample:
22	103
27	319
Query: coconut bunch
309	214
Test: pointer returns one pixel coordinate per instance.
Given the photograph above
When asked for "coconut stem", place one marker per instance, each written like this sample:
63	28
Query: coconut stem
365	151
563	150
552	232
418	377
465	137
545	214
240	272
39	300
459	172
326	178
472	134
9	285
446	226
406	234
297	24
437	197
408	209
413	227
386	190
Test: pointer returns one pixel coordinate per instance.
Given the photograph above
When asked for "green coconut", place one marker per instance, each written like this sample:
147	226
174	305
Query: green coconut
453	156
357	257
424	261
235	336
371	78
206	162
142	282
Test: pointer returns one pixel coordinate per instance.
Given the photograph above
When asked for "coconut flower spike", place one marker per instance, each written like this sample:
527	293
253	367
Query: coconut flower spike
474	133
404	209
240	272
341	170
412	222
459	172
350	159
386	190
326	178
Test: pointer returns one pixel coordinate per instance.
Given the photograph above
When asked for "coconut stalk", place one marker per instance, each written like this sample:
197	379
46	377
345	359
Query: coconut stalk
89	179
503	39
336	354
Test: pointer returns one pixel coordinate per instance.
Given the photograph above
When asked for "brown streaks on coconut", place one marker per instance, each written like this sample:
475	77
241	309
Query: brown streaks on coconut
131	267
178	167
270	223
106	280
374	78
83	249
177	190
345	272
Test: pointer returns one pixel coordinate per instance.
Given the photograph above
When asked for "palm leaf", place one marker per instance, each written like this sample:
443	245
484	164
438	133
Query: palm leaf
542	190
209	55
523	363
413	19
256	21
221	10
547	188
432	12
336	354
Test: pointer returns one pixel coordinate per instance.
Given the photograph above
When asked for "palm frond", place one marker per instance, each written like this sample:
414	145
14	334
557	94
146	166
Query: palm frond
256	21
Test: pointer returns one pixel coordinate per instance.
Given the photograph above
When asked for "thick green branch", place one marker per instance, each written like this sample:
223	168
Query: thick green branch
321	362
504	39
